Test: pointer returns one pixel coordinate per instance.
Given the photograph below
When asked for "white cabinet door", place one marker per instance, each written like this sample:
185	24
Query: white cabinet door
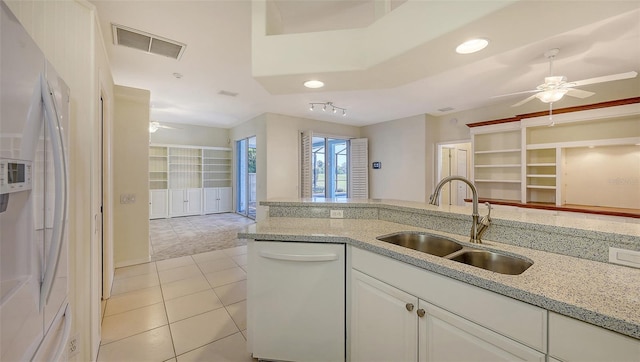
158	204
210	200
224	198
217	199
177	202
384	325
445	336
194	201
574	340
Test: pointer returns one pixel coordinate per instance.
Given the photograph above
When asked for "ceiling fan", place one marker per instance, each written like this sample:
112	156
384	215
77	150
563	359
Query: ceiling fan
154	126
556	87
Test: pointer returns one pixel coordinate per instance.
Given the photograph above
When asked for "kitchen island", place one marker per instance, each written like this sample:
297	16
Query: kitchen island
569	276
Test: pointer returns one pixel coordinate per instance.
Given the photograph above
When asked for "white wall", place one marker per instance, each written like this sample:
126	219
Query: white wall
400	146
191	135
65	30
131	175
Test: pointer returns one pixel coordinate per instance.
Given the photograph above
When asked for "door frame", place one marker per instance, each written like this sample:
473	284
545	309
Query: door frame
438	159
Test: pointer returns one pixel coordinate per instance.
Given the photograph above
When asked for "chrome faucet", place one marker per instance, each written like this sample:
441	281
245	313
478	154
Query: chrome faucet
478	226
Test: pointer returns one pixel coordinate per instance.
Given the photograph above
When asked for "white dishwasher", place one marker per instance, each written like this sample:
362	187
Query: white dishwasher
296	301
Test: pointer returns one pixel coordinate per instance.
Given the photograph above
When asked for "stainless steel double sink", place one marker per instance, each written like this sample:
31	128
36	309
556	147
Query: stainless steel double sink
450	249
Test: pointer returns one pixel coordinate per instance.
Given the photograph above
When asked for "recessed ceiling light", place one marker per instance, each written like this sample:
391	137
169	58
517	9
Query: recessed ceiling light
177	75
472	46
313	84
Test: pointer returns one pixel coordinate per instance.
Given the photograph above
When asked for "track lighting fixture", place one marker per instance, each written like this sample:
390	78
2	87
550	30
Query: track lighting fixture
333	107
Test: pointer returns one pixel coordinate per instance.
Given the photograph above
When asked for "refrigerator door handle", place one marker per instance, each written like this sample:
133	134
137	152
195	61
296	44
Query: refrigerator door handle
60	205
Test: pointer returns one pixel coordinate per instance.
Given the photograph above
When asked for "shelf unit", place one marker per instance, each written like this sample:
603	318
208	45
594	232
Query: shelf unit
587	158
185	168
542	174
216	168
158	177
183	178
497	160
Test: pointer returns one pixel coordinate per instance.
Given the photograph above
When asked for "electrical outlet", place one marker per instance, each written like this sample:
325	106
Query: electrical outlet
72	347
336	214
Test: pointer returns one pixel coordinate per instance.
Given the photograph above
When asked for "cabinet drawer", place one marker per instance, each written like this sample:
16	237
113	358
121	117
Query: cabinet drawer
517	320
574	340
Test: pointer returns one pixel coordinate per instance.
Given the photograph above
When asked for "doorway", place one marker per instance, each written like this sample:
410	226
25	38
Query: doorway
246	177
453	159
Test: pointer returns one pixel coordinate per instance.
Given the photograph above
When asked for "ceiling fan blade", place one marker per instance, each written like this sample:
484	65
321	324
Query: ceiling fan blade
579	93
606	78
524	101
516	93
167	127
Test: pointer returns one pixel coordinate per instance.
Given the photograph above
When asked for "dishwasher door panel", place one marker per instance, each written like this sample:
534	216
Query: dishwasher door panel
296	301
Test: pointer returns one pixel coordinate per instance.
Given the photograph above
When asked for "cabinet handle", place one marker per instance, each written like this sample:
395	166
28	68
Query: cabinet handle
420	312
409	307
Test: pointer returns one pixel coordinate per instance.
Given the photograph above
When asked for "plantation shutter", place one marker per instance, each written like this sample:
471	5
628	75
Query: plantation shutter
306	168
358	169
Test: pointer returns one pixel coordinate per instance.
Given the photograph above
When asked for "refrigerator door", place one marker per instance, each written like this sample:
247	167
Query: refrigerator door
21	250
55	95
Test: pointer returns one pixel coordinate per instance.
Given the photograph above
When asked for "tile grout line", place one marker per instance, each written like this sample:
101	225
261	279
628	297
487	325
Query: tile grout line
164	304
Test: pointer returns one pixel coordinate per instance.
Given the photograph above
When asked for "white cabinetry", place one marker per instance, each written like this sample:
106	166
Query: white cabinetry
573	340
527	161
217	199
497	162
382	313
445	336
158	204
189	180
184	202
456	321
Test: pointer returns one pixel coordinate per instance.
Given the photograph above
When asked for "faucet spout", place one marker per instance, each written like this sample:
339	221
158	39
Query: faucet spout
478	227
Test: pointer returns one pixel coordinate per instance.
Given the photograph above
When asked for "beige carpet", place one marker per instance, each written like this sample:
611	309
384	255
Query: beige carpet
180	236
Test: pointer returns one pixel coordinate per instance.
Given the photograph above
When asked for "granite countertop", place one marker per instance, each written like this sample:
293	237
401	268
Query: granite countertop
603	294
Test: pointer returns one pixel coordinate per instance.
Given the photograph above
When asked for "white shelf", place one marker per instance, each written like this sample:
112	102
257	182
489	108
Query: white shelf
541	176
497	151
499	166
551	164
541	187
502	181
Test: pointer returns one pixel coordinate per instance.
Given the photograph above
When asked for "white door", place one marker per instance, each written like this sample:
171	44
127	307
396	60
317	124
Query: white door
194	201
177	202
384	324
157	204
445	336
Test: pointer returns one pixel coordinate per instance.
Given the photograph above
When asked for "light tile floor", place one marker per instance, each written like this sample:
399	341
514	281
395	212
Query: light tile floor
189	308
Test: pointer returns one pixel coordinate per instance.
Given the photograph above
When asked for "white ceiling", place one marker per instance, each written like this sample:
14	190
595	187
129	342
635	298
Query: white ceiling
218	58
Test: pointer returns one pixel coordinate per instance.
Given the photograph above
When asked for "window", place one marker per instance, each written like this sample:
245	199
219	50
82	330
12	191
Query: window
330	170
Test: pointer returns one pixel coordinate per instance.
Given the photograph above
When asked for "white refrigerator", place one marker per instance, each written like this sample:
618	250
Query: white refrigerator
35	319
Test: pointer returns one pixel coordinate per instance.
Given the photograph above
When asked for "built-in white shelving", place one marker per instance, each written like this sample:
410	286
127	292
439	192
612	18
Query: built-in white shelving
187	180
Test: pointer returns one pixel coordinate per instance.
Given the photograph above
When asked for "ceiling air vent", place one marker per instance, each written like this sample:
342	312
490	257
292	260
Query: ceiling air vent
146	42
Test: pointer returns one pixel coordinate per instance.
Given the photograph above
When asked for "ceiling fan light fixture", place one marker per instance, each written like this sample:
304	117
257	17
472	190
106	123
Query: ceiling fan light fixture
552	95
153	127
472	46
313	84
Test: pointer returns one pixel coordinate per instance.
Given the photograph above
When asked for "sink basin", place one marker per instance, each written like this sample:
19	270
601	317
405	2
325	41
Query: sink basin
495	262
426	243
